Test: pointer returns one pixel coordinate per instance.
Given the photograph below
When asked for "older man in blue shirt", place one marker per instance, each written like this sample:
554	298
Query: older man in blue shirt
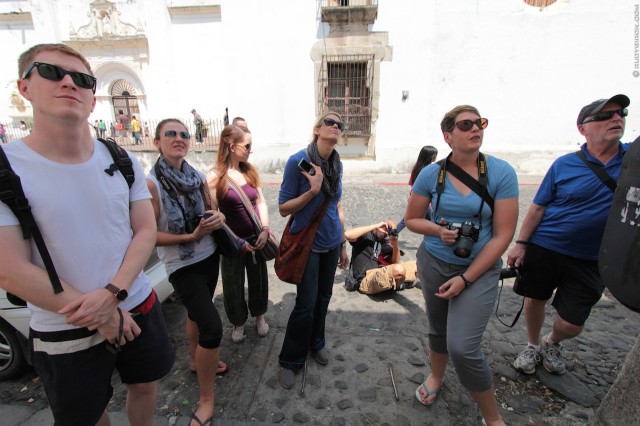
560	236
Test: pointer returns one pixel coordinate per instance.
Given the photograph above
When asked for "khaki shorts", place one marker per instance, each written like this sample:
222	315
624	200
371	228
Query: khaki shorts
381	279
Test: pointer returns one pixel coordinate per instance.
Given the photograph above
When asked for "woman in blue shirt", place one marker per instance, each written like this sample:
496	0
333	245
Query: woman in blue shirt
460	284
301	195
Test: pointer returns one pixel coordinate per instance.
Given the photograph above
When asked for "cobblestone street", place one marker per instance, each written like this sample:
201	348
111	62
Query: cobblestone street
366	335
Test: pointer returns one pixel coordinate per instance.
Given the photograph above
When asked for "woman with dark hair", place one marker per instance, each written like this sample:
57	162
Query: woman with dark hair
186	217
232	165
427	155
459	260
304	195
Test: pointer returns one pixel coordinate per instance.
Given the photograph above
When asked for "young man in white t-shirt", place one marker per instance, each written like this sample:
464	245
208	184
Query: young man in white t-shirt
100	234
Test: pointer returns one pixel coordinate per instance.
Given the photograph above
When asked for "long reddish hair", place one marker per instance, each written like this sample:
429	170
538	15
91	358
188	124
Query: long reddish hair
232	135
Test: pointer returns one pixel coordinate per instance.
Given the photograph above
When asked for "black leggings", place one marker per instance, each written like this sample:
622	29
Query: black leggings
195	285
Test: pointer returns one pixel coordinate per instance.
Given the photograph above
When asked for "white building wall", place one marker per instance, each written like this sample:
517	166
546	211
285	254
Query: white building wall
528	70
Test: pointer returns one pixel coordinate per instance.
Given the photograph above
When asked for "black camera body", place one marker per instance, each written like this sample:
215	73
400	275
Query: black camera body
506	273
468	235
393	232
191	225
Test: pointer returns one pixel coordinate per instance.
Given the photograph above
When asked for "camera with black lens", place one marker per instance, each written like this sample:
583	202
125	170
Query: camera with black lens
191	225
393	232
468	234
506	273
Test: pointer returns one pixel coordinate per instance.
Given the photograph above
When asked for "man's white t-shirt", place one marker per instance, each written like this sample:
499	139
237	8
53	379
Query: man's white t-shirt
83	215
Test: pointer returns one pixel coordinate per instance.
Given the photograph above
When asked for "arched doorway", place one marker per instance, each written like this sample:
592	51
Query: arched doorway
123	97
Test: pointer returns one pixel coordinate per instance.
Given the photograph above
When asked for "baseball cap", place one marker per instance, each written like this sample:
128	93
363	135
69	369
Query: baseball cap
193	110
596	107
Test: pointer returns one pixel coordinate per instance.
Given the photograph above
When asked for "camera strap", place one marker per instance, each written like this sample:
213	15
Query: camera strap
478	186
517	317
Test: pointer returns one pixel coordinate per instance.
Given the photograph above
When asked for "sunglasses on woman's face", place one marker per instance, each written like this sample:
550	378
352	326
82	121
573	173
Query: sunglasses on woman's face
55	73
173	134
247	147
606	115
466	125
330	122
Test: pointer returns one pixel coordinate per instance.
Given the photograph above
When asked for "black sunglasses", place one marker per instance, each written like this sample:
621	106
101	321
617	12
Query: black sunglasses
466	125
606	115
331	122
55	73
173	134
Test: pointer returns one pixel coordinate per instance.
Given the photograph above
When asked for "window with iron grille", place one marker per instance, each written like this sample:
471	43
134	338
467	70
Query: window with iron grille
345	82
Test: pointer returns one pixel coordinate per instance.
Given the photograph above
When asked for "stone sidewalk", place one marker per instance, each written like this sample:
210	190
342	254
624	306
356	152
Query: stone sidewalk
365	337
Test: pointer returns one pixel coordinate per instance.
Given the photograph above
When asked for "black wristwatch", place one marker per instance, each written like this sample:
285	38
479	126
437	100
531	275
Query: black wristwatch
120	294
467	283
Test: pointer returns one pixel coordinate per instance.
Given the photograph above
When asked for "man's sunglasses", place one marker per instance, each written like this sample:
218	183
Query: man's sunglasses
55	73
606	115
173	134
330	122
466	125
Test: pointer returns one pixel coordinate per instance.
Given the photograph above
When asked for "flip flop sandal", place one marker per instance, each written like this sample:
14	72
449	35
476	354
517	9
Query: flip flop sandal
209	421
222	368
428	393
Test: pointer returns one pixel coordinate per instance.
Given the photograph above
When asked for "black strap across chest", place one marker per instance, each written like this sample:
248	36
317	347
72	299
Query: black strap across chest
600	171
478	186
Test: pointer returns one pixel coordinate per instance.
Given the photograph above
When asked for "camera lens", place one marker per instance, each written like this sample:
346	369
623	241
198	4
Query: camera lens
463	246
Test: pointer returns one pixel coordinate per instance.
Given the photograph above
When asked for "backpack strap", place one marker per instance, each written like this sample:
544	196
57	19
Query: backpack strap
121	161
600	171
12	194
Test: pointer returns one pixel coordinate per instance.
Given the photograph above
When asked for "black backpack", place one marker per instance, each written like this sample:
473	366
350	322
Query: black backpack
12	194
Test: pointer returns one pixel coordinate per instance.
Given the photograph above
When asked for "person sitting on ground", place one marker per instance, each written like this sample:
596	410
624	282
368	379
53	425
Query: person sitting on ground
375	260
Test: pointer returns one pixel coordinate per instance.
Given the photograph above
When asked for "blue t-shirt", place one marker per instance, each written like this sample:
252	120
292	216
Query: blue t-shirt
577	205
502	183
294	183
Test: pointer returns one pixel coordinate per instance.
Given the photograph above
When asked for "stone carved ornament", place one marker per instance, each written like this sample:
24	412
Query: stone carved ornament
105	22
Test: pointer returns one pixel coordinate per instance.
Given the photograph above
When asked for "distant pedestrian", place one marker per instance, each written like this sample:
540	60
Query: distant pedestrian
112	130
199	123
125	122
427	155
135	129
240	122
102	128
3	133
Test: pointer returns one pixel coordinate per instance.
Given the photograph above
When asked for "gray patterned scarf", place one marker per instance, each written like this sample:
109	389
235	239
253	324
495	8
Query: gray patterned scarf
182	212
331	169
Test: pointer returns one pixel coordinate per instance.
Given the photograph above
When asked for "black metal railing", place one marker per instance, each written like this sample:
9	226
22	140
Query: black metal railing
210	133
340	3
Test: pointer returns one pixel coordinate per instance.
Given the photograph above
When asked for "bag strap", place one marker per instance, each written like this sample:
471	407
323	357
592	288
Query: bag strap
12	194
316	220
251	211
600	171
121	161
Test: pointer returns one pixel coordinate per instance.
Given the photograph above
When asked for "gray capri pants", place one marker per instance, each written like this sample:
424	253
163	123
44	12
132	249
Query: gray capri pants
456	325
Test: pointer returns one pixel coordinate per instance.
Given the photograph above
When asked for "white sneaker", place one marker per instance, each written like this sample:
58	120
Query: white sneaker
237	335
553	358
527	361
262	328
